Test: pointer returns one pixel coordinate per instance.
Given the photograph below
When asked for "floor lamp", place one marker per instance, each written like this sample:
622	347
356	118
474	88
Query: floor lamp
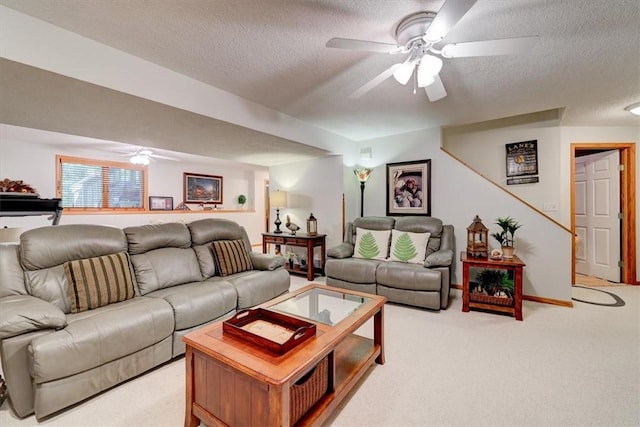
278	199
363	176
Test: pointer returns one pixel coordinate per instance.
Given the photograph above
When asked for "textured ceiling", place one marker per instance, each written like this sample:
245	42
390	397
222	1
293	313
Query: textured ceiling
272	52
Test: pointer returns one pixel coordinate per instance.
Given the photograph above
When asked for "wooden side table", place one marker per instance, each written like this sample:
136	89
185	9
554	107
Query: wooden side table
299	240
473	298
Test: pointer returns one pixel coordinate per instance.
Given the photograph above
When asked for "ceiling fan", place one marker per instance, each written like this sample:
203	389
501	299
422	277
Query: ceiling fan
418	36
143	156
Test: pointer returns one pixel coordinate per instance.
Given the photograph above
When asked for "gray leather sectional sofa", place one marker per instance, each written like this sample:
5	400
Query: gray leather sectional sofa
423	283
56	353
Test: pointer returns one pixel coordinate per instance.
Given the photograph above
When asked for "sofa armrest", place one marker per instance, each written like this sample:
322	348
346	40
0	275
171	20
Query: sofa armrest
441	258
343	250
24	313
265	261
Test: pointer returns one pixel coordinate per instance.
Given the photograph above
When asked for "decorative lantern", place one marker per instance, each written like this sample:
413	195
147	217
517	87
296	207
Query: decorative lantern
477	239
312	225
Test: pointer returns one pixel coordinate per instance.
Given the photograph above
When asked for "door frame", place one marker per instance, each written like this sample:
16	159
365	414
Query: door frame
627	204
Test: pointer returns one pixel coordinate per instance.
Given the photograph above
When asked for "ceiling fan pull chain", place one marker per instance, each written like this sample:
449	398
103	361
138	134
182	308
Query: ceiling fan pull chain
415	82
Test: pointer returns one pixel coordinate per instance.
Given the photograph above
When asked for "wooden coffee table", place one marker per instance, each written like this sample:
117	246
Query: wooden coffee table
233	382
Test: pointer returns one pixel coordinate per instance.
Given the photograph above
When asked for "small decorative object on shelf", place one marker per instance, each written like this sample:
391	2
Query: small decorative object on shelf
312	225
9	186
291	226
182	207
242	199
477	240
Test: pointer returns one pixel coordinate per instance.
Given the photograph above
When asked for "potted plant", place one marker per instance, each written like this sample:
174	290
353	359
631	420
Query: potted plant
242	199
291	256
494	286
506	236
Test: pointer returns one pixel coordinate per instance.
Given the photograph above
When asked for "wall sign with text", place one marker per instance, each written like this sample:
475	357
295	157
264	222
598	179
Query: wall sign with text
522	161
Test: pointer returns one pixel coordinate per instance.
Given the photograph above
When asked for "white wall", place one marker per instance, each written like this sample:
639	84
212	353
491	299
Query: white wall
311	186
485	151
34	163
458	194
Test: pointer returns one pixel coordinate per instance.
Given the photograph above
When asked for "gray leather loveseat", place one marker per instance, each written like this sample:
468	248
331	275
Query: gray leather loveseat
411	265
86	307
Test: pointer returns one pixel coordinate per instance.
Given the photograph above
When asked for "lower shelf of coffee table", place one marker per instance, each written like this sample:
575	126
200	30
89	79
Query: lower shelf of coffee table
347	364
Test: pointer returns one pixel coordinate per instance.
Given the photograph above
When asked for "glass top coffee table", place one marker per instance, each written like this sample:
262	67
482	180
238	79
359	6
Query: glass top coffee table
217	362
321	304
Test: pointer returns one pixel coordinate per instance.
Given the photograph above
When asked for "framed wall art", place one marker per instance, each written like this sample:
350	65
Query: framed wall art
522	161
160	203
199	188
409	188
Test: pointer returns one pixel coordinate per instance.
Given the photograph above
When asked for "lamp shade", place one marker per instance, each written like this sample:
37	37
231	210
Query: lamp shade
362	174
278	199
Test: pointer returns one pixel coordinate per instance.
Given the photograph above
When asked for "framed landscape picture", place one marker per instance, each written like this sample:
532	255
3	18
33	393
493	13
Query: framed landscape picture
160	203
199	188
409	188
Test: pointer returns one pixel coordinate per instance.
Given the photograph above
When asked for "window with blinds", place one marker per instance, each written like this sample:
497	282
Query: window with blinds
90	185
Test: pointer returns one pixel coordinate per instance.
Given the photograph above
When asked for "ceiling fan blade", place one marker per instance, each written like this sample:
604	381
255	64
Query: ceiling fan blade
489	47
374	82
368	46
435	91
448	15
158	156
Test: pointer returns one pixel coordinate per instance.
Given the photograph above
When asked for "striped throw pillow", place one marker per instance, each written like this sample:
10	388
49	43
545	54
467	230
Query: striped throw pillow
231	257
96	282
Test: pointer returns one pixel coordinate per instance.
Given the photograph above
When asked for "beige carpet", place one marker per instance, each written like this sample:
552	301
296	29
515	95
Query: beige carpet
559	367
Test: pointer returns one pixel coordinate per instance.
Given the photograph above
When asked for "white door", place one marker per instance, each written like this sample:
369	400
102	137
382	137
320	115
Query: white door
597	197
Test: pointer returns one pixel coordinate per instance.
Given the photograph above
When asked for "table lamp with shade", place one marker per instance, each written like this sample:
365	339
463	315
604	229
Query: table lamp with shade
278	199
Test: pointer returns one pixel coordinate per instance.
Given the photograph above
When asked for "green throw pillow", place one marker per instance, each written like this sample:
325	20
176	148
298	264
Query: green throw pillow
372	244
408	247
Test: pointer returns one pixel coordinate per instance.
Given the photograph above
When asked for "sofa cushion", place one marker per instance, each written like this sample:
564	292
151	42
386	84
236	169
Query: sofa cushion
96	337
99	281
408	276
408	247
372	244
352	269
197	303
231	257
423	224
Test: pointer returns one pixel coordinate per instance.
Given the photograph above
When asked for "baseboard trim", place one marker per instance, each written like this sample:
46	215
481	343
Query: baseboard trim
535	299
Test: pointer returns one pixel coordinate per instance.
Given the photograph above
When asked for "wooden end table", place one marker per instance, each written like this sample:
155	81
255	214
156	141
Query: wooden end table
300	240
513	268
233	382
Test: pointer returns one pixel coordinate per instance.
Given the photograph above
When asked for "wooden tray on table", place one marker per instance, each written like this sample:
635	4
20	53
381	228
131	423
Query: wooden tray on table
277	332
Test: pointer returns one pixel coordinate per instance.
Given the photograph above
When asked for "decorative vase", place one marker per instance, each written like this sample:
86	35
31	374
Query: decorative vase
507	252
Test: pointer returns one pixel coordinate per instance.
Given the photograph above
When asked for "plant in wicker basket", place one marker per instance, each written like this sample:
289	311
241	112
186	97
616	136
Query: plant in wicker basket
497	285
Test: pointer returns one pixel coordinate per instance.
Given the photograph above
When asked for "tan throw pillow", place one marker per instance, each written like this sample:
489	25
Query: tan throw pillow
372	244
231	257
96	282
408	247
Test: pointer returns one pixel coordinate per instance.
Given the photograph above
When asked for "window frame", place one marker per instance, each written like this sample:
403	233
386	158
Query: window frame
104	164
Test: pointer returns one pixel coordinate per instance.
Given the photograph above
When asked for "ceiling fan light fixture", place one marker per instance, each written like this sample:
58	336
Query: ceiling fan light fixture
429	67
139	159
634	108
403	72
